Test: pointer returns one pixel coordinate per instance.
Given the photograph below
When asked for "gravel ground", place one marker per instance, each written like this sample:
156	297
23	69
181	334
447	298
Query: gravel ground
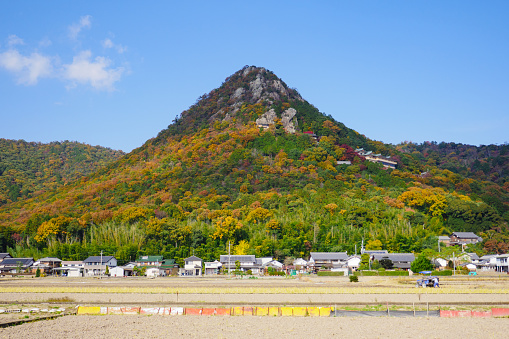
257	327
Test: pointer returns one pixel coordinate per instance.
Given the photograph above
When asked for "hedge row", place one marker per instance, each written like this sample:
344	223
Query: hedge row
442	273
381	273
329	274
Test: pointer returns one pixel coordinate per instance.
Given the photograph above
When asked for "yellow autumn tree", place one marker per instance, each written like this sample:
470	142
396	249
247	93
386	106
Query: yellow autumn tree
226	227
432	200
241	248
259	214
332	207
54	226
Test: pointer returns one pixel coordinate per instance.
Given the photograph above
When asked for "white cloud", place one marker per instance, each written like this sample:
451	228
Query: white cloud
13	40
96	73
75	29
107	43
27	69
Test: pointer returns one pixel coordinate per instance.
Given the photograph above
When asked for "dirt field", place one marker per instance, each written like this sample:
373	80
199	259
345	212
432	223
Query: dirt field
257	327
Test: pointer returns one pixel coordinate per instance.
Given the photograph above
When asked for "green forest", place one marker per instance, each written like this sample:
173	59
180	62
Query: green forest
214	177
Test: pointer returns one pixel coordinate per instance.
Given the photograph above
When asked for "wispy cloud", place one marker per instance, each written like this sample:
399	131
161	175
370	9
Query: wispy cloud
27	69
14	40
108	43
96	73
76	28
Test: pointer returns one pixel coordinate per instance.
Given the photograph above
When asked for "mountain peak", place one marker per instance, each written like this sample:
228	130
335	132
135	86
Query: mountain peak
250	94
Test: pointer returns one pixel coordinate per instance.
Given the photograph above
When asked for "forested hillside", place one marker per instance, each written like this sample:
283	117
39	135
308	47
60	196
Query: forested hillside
236	166
30	168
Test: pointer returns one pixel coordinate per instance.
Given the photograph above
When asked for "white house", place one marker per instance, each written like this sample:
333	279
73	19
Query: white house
192	267
353	262
153	272
502	263
212	268
117	271
96	265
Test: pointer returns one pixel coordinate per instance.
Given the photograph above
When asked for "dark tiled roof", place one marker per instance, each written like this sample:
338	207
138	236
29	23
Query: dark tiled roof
395	257
329	256
193	258
241	258
97	258
5	255
15	261
466	235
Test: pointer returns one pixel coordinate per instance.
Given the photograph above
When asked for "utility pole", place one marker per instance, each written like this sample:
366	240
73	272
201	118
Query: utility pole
454	263
100	267
229	263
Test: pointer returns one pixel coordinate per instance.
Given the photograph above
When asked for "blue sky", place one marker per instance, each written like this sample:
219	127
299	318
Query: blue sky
116	73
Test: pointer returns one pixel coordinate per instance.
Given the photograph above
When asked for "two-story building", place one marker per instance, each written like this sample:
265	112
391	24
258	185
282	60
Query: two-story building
192	267
464	238
319	260
96	265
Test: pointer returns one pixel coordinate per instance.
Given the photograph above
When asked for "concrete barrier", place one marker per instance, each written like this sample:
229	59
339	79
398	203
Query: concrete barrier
177	311
130	310
286	311
455	314
325	311
481	314
151	310
193	311
249	310
500	312
89	310
262	311
208	311
299	311
237	310
114	310
222	311
274	311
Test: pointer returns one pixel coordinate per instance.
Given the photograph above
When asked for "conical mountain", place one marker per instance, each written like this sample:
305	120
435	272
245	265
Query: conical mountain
255	94
253	163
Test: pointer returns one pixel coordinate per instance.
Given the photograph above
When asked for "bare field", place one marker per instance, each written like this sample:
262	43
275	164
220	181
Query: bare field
257	327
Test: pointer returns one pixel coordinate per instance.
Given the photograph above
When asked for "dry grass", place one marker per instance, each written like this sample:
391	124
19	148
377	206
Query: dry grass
251	290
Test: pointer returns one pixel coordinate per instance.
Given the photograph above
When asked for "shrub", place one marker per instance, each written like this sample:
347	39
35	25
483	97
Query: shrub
354	278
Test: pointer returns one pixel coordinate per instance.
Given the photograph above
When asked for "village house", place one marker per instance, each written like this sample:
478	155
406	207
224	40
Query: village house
399	260
70	268
4	256
213	268
353	262
170	267
117	271
96	265
247	262
320	260
16	265
464	238
150	260
502	263
192	267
